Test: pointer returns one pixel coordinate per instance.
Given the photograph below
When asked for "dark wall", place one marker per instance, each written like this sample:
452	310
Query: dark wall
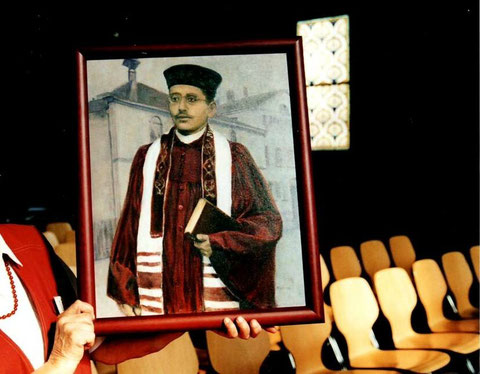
413	166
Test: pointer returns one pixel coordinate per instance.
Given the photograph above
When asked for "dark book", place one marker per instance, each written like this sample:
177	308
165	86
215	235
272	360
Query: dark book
208	219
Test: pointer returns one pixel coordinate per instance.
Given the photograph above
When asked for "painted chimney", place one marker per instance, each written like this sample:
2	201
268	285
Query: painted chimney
132	64
230	96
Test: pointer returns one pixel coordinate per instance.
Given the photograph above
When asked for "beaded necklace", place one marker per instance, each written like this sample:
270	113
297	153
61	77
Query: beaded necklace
14	292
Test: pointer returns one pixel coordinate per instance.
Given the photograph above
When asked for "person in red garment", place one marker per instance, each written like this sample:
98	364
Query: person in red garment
36	337
154	267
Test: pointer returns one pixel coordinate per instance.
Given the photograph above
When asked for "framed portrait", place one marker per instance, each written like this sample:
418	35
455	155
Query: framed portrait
176	135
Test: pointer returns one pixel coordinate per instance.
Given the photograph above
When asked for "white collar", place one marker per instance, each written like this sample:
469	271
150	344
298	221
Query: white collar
5	249
187	139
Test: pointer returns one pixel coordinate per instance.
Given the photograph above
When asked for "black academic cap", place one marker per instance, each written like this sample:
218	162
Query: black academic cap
206	79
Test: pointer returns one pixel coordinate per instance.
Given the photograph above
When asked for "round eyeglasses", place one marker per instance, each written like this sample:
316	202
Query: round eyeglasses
189	99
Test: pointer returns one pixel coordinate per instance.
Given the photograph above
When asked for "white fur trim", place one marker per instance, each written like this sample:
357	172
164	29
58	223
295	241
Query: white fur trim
145	243
153	304
222	304
223	172
152	292
149	259
149	269
208	270
213	283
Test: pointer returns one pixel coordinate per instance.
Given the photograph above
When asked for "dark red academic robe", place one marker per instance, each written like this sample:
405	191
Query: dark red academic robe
244	260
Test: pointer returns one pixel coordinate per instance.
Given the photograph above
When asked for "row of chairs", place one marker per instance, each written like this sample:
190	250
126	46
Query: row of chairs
355	307
374	257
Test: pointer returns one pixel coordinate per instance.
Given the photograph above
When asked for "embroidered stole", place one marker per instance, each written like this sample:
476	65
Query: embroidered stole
216	186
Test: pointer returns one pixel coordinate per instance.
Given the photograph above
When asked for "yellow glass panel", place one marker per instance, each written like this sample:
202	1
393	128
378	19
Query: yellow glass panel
329	116
327	74
326	50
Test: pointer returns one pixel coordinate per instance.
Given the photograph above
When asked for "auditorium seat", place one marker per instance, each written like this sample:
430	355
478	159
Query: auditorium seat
374	257
355	310
432	289
459	279
397	298
402	251
345	262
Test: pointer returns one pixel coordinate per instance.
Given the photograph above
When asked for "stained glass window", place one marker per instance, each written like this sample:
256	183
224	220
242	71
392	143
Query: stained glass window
327	74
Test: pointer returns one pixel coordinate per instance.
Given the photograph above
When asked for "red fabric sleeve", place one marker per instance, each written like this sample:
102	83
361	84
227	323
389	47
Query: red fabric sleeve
245	259
252	206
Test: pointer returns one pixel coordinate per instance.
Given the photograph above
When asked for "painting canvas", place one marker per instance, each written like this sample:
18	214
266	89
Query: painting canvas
126	104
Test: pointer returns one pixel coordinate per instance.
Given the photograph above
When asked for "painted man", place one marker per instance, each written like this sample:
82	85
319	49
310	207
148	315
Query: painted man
154	267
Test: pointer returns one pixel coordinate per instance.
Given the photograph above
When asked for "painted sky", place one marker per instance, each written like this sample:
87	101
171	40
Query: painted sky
259	73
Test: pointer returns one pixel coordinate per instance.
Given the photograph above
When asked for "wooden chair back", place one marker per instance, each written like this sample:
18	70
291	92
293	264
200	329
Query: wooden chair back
345	262
67	252
60	229
355	310
475	258
402	251
459	279
431	289
324	272
178	357
237	356
305	343
374	256
70	236
51	238
397	298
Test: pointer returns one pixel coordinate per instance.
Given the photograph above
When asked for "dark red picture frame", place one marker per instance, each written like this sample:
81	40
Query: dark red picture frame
313	310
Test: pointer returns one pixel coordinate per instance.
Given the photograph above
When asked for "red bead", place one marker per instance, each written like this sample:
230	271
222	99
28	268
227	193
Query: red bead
14	293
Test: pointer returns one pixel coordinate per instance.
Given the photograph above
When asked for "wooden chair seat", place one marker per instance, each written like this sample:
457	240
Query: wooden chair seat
178	357
463	343
374	256
419	361
345	262
355	311
464	325
237	356
397	298
402	251
459	279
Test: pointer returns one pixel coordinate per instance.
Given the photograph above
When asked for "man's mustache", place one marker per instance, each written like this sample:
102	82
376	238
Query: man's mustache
182	116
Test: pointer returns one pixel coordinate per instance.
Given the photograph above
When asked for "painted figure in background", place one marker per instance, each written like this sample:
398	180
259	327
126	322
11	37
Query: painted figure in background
154	267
